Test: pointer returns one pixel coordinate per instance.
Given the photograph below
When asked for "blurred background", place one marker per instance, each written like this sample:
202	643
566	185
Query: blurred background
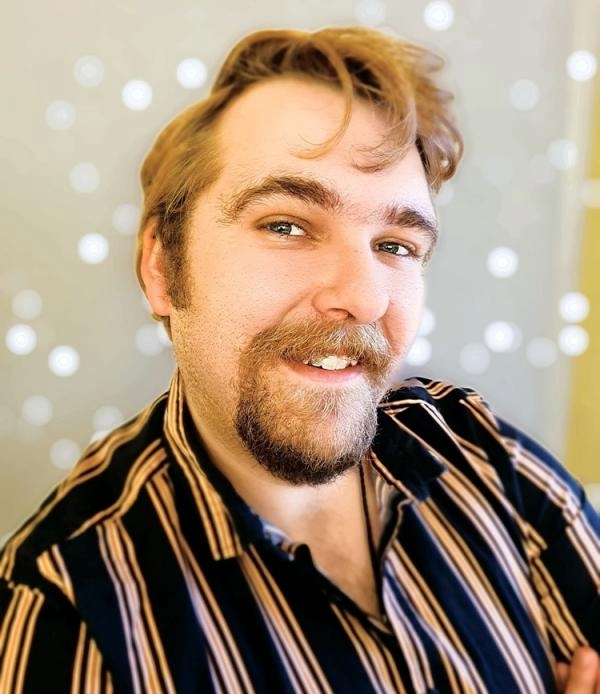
514	290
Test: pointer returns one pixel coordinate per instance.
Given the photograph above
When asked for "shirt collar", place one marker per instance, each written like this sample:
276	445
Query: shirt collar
400	454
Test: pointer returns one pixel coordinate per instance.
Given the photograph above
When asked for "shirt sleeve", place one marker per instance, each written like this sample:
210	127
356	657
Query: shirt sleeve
45	647
562	541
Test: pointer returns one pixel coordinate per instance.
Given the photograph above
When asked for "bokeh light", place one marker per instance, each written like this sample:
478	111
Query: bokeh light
524	95
573	307
27	304
191	73
93	248
107	417
89	71
420	352
63	361
37	410
475	358
370	12
502	262
148	341
438	15
60	115
21	339
563	154
126	218
541	352
64	454
582	66
501	336
427	322
573	340
137	95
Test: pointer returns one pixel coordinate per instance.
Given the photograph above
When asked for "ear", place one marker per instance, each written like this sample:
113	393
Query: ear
152	271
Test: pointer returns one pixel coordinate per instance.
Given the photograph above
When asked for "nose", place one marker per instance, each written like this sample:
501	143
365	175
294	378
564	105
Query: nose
351	285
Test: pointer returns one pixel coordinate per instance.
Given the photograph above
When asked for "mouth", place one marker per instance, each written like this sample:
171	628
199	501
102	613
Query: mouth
327	369
331	362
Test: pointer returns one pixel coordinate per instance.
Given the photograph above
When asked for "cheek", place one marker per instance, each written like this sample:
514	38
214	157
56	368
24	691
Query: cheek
404	314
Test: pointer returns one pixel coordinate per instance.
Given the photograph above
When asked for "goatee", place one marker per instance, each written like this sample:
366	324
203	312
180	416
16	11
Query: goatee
311	434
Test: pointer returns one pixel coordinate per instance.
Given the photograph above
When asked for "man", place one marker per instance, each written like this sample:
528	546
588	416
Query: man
269	524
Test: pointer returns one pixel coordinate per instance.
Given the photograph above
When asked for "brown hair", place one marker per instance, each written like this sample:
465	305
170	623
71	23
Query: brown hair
392	73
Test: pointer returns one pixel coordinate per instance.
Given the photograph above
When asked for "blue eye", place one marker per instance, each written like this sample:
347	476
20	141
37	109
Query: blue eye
284	228
394	248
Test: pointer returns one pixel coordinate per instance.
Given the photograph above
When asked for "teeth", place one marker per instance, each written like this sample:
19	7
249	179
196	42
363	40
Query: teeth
331	362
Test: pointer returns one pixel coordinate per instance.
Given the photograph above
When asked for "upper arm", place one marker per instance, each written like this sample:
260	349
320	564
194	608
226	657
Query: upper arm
561	533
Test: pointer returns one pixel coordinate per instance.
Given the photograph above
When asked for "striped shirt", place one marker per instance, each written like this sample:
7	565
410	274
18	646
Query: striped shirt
144	572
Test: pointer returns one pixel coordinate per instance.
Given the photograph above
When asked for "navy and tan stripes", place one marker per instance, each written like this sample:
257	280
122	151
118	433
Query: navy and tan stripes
16	636
145	573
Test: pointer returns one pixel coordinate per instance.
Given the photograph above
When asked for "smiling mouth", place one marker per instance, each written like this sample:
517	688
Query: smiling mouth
331	362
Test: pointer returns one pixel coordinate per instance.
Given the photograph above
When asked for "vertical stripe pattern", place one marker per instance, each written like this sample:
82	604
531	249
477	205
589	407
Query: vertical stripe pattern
145	573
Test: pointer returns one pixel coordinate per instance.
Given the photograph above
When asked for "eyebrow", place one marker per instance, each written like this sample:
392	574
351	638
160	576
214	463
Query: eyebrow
305	189
317	193
413	218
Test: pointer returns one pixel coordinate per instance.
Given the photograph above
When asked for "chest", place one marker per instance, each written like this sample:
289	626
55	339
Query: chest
459	617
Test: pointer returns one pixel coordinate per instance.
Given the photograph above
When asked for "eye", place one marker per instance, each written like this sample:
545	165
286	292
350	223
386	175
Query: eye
283	228
396	248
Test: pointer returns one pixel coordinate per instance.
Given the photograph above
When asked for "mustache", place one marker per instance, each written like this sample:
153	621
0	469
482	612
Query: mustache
310	339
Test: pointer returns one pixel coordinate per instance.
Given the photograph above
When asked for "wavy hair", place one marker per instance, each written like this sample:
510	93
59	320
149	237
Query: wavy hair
394	74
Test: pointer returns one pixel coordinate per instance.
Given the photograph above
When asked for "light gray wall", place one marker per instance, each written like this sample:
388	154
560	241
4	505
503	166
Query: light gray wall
508	193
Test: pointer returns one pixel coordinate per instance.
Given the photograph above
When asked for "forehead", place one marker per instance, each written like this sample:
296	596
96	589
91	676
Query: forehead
272	126
290	116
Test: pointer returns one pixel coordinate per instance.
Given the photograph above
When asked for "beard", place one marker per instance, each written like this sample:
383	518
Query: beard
309	435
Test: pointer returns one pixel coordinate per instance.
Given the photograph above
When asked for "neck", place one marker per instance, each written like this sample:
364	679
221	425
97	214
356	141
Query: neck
338	520
287	506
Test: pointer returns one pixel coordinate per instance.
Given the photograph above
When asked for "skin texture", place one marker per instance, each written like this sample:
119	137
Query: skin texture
582	676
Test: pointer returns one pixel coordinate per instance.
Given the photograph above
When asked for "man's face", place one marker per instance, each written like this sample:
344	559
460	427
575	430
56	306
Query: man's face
306	282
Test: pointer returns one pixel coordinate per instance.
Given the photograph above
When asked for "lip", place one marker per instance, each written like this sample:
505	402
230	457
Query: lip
324	376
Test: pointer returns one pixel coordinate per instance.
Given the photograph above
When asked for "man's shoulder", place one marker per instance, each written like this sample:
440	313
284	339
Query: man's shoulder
104	484
436	397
